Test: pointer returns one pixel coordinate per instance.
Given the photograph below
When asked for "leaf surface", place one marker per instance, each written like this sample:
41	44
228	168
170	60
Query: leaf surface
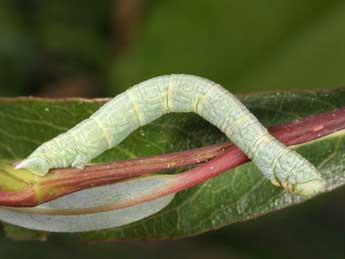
93	197
237	195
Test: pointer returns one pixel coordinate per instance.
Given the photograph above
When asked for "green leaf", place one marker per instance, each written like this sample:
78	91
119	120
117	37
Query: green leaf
93	197
237	195
18	233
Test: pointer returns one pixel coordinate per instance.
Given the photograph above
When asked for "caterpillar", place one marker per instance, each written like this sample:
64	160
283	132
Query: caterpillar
149	100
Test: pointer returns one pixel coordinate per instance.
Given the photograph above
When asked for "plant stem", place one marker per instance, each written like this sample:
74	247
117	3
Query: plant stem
225	156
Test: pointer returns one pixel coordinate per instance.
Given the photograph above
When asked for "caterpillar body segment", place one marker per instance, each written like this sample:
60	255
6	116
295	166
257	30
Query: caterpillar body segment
149	100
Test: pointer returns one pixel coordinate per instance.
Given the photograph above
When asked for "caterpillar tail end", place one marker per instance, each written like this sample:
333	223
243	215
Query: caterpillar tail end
35	165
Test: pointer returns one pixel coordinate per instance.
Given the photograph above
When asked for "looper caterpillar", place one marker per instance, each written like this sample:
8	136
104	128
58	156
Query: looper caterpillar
151	99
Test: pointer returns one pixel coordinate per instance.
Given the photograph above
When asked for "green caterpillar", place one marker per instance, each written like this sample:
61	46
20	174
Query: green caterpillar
151	99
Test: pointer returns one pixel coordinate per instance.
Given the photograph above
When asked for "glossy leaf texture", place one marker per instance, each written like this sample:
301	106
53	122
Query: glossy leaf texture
93	197
236	195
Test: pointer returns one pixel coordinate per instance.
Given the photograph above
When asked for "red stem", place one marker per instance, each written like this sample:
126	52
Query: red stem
105	172
293	133
63	181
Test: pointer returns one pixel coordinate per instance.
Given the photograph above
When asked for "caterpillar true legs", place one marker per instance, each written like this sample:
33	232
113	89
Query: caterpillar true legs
150	99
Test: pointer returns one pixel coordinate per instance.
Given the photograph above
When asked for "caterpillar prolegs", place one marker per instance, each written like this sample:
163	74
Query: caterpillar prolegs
149	100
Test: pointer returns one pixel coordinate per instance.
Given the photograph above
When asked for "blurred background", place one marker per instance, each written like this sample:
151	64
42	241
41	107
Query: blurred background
92	48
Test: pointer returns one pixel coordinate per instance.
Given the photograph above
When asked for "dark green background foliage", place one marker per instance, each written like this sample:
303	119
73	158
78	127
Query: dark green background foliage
98	48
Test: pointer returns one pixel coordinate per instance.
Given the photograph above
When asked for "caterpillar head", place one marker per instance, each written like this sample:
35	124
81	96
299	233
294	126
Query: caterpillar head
297	175
308	180
310	188
306	189
35	165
